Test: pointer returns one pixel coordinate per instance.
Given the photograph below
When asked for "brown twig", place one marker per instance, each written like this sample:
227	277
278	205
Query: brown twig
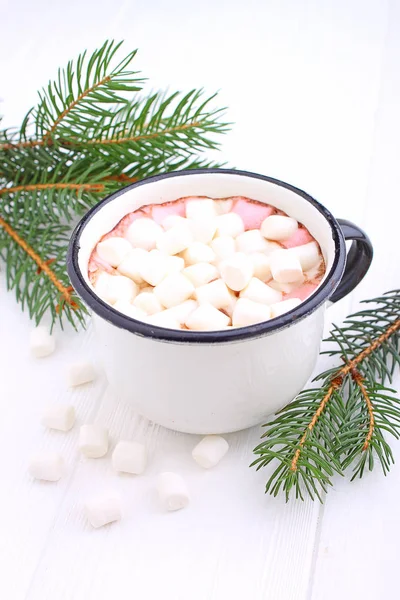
28	144
144	136
357	377
93	187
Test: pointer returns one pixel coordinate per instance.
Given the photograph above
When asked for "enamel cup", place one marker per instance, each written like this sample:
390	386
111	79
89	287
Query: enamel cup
216	381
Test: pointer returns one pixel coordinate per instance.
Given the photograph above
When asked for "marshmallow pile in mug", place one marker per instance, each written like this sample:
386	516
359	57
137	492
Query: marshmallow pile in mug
206	269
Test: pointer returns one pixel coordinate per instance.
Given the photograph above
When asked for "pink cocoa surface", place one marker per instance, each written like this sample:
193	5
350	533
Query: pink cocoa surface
252	213
299	238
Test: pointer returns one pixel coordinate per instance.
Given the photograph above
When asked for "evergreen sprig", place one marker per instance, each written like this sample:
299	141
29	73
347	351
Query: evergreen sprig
343	422
93	130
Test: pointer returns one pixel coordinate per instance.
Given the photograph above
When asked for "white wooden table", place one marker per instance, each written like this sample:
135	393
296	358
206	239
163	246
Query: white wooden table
314	90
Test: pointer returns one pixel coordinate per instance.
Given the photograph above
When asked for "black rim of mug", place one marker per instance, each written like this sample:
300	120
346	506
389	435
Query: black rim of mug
105	311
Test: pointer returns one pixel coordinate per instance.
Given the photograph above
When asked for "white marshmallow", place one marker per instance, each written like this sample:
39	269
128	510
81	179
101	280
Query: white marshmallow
129	457
80	372
285	267
59	416
248	312
287	288
251	241
198	252
200	208
41	342
308	255
262	269
203	229
172	220
129	310
93	441
230	224
271	247
215	293
282	307
154	268
115	287
237	271
103	510
174	289
164	319
201	273
230	308
207	318
172	491
258	291
174	264
182	311
278	227
48	466
148	303
223	206
224	247
176	239
210	451
146	288
144	233
113	250
130	266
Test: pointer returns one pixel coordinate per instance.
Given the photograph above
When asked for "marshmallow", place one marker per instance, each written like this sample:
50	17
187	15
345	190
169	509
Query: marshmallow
129	457
230	224
200	209
251	241
129	310
115	287
282	307
182	311
210	451
80	372
207	318
48	466
41	342
201	273
176	239
154	268
164	319
172	220
59	416
113	250
308	255
285	267
258	291
248	312
103	510
203	229
93	441
215	293
174	264
271	247
174	289
278	227
286	288
224	247
144	233
198	252
148	303
223	205
172	491
237	271
261	266
230	308
130	266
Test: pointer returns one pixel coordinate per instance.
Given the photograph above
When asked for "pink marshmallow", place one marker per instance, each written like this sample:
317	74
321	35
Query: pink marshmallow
160	211
252	214
299	238
302	292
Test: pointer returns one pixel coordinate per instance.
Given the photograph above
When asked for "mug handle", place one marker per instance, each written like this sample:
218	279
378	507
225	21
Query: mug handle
358	260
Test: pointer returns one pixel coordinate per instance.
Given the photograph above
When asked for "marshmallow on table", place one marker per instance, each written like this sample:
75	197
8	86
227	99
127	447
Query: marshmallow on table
144	233
207	318
248	312
130	266
230	224
129	457
172	491
148	303
210	451
251	241
200	208
308	255
278	227
237	271
129	310
93	441
282	307
115	287
285	267
201	273
215	293
41	342
198	252
176	239
59	416
258	291
223	247
174	289
80	372
48	466
203	229
103	509
262	269
164	319
113	250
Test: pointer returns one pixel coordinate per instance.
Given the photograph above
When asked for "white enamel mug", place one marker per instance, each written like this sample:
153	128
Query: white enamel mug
215	381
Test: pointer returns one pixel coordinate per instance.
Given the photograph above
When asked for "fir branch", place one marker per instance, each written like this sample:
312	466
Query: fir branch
327	429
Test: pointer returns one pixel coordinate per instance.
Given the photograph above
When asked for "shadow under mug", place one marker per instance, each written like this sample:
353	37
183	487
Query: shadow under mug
216	381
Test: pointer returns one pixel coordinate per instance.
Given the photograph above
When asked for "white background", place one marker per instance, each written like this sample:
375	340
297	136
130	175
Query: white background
314	90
